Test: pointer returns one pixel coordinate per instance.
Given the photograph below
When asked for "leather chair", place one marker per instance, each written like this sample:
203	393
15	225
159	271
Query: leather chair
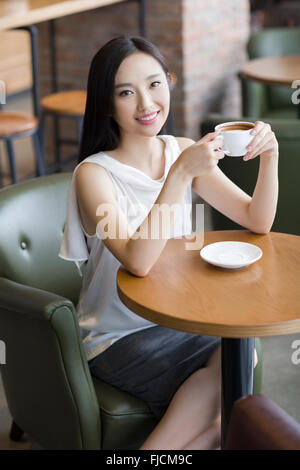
49	389
257	423
244	174
264	101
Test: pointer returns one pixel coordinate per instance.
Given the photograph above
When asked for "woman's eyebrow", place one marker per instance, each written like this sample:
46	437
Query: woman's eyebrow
120	85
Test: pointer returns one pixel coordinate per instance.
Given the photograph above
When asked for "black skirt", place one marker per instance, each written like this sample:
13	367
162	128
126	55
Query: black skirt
151	364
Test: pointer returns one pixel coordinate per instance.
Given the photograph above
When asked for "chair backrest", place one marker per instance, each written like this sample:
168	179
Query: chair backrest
274	42
32	219
46	378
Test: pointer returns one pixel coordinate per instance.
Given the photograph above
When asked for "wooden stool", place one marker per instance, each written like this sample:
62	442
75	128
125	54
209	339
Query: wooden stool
68	104
14	125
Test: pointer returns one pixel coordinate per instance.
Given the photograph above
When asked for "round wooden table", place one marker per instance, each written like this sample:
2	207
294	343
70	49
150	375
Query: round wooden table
185	293
282	70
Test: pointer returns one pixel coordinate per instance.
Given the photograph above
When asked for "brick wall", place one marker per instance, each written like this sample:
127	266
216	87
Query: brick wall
203	41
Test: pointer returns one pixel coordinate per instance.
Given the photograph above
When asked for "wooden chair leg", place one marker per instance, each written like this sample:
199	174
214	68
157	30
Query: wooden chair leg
39	160
16	432
12	160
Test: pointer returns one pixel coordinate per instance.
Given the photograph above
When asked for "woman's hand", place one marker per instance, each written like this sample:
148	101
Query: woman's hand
202	156
264	143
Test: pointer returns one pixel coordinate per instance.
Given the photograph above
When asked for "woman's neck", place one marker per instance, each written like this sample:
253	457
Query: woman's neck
146	154
140	152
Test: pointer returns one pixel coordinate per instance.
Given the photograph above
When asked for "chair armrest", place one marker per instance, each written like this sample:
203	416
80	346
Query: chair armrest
46	371
29	300
257	423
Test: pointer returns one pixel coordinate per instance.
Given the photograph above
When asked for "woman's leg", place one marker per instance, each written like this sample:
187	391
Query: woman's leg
193	418
194	408
209	439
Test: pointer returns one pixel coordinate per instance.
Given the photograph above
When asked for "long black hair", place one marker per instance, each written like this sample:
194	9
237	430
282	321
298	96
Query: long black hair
100	132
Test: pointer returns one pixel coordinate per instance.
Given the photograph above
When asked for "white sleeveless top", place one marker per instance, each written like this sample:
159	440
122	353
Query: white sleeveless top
103	318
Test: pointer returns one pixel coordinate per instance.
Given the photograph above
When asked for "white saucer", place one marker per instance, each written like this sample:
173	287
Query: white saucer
231	255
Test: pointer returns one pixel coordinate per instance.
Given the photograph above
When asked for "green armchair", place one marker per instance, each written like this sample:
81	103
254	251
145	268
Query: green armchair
50	392
49	389
265	101
244	174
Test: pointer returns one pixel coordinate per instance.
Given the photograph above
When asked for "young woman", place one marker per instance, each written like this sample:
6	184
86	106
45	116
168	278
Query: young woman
126	171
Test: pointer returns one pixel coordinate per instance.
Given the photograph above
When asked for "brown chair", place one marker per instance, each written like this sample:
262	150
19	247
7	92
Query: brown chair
14	125
66	104
257	423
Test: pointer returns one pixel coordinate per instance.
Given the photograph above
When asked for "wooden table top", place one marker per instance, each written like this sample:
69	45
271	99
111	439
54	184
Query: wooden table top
273	70
15	13
185	293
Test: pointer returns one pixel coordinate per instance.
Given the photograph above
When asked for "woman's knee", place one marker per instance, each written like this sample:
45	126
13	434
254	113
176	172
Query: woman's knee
255	358
215	359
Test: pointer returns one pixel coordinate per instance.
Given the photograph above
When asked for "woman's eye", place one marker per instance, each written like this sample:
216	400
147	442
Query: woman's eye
125	92
155	84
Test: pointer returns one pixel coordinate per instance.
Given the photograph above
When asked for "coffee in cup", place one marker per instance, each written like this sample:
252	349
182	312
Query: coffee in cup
236	136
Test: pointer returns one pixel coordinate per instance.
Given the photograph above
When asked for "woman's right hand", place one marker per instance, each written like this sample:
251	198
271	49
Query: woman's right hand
201	157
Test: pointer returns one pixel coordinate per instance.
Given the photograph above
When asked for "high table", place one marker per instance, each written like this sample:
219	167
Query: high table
185	293
282	70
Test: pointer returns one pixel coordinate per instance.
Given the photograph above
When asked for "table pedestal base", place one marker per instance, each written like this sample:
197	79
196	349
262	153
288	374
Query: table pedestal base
237	375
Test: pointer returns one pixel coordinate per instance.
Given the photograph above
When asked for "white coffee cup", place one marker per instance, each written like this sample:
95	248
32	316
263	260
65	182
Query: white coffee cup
236	136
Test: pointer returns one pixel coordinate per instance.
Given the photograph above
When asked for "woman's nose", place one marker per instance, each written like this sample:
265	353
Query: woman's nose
144	101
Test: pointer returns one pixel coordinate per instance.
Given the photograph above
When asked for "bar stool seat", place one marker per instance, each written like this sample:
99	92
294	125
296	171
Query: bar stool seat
12	123
70	103
64	104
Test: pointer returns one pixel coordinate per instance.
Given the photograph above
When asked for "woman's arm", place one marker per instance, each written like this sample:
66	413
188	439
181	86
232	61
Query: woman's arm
262	208
256	213
101	214
97	200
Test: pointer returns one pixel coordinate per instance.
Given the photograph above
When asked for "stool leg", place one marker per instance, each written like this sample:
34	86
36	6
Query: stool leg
41	134
40	169
57	146
12	161
1	174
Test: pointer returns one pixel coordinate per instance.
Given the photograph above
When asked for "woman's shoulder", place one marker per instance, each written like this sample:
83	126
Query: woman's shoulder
90	173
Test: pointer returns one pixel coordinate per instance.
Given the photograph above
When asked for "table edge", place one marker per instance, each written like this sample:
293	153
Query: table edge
219	330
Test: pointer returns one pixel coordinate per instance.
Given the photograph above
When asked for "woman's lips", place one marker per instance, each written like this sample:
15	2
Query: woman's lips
148	118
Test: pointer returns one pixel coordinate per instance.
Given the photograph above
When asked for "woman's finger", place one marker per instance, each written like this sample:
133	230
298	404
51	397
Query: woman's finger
259	149
209	137
258	126
258	139
217	144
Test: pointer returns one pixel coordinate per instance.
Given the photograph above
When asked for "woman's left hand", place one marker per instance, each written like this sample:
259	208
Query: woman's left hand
264	142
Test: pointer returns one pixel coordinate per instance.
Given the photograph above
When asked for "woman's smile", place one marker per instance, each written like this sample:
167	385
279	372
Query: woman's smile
148	119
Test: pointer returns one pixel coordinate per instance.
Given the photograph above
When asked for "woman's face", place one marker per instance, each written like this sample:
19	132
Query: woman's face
141	95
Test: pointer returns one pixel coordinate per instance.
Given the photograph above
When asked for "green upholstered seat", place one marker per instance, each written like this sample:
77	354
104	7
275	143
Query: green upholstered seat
50	392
